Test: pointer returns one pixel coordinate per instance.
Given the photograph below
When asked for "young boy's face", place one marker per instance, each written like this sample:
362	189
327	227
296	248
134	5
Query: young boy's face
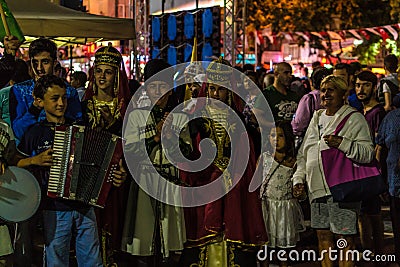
218	92
156	89
54	102
75	82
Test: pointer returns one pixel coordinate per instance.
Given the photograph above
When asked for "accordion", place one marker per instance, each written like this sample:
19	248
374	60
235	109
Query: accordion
84	161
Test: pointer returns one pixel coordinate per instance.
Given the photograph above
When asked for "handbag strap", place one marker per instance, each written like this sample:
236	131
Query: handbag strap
343	122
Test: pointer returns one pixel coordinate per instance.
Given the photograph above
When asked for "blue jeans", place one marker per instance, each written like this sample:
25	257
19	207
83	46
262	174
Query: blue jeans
59	226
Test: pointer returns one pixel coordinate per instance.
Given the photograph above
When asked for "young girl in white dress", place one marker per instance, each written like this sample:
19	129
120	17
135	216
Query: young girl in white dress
282	213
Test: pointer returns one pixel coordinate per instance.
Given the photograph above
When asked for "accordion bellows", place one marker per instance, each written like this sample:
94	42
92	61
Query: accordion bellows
84	161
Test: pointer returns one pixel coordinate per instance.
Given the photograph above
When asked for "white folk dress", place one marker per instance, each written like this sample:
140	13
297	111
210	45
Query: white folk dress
282	213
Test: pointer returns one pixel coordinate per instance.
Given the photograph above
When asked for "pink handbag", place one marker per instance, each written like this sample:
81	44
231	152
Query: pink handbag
349	181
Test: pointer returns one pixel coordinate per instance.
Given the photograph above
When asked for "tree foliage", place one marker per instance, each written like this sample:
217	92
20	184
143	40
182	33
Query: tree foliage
368	51
320	15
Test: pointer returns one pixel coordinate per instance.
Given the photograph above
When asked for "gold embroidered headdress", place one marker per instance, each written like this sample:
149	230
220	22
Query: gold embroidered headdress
219	71
108	55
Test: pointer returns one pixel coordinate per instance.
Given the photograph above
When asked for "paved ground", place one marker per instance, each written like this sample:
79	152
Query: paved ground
308	242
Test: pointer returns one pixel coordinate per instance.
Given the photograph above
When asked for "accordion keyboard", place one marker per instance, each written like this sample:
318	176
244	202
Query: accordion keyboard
58	170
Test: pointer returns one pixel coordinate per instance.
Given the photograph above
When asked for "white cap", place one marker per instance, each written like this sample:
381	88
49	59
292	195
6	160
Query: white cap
194	68
200	78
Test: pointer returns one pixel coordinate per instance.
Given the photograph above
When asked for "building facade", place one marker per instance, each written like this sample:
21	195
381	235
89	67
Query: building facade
111	8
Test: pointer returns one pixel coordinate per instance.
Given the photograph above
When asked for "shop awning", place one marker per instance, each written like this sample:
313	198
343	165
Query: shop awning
43	18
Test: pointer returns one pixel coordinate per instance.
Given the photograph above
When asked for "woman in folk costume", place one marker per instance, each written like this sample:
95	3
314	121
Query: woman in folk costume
103	108
153	230
107	96
230	230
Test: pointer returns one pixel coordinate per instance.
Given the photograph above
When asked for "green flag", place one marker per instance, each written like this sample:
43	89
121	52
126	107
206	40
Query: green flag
15	30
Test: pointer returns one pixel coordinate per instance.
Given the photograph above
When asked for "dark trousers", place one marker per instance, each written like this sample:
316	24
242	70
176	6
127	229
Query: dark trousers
24	244
25	234
395	215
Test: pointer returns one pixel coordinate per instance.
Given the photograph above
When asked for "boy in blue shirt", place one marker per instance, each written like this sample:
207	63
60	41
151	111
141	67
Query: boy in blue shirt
24	110
61	218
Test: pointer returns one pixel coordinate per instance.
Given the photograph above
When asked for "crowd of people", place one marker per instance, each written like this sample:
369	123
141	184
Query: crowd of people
346	108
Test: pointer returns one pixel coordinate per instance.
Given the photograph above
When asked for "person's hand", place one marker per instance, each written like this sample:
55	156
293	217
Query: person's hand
388	108
119	176
11	44
43	159
298	191
166	123
106	114
333	140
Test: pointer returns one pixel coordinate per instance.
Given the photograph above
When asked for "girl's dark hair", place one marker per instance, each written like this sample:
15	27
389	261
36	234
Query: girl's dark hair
43	84
80	76
286	126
